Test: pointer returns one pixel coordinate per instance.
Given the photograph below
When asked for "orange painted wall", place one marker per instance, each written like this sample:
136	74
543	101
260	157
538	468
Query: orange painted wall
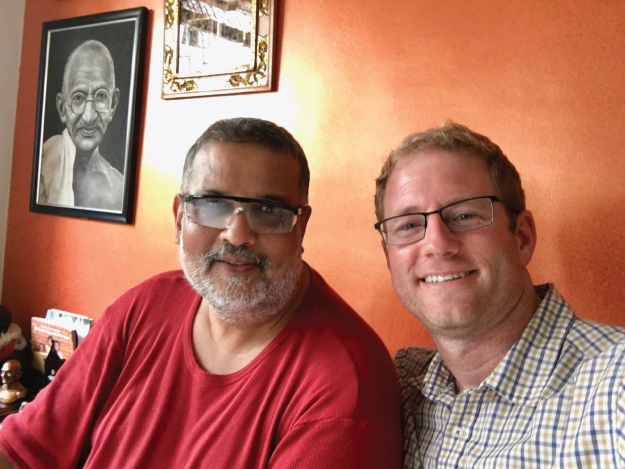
545	80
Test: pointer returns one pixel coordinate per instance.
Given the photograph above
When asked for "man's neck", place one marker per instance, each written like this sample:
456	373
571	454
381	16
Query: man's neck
222	347
472	358
85	160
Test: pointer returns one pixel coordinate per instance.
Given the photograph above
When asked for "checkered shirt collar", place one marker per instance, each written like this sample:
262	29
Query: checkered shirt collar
526	373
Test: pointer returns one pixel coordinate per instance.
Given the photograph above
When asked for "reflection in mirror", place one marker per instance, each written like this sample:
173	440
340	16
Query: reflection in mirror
217	46
215	40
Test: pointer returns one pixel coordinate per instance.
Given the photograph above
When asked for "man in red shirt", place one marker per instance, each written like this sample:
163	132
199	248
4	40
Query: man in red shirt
246	359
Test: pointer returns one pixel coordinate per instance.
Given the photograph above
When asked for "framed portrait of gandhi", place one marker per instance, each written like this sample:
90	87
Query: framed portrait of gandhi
90	77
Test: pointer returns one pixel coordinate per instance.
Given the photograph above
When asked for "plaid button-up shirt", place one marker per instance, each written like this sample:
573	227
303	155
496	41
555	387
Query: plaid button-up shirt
556	400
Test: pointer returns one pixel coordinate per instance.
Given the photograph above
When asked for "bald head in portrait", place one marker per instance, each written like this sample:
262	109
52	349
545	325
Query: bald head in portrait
73	172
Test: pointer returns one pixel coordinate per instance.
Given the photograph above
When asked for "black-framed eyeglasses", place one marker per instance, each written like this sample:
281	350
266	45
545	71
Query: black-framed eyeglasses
464	215
101	101
263	217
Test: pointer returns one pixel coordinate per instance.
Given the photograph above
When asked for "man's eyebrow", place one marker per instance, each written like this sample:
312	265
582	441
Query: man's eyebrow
212	192
277	198
407	211
281	200
413	209
96	84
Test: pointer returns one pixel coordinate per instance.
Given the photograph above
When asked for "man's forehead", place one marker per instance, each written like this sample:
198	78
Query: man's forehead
435	163
90	67
428	179
220	166
218	156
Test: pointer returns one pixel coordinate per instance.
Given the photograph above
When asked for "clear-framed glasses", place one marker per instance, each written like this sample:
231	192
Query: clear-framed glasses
464	215
101	101
264	217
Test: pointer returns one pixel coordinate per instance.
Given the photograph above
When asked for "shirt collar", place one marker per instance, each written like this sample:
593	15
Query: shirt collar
526	373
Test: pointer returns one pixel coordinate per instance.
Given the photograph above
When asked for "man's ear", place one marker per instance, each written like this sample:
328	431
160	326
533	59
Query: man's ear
385	249
525	234
114	102
178	209
60	106
303	221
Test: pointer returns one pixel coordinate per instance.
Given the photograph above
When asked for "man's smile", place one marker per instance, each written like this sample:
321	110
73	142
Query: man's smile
445	278
89	130
237	261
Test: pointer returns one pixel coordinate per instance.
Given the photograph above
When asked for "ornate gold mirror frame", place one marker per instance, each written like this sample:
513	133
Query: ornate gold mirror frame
218	47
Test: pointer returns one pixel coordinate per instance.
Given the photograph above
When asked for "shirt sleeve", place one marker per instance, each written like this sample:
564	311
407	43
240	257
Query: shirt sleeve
339	442
54	430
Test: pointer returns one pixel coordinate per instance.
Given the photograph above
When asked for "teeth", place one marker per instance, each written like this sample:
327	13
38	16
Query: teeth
444	278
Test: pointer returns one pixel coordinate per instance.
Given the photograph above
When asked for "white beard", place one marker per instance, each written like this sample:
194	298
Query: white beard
240	300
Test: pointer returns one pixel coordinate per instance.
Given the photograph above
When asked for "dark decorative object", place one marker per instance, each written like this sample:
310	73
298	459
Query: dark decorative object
5	319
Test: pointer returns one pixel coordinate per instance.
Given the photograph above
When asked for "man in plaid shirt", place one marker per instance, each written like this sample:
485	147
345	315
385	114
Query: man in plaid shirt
516	380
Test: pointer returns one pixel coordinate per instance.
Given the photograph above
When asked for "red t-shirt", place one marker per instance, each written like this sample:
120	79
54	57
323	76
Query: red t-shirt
322	394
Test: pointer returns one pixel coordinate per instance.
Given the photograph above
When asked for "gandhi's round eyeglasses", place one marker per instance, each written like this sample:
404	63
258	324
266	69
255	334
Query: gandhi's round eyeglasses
263	217
464	215
101	101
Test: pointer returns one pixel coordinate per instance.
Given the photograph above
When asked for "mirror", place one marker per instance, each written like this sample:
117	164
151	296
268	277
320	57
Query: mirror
217	47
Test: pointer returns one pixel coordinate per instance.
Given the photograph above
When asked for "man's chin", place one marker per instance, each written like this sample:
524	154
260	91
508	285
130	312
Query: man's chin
87	143
233	299
245	298
242	299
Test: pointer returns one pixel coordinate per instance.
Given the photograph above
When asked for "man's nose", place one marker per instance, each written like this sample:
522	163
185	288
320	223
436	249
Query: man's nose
439	239
239	232
89	113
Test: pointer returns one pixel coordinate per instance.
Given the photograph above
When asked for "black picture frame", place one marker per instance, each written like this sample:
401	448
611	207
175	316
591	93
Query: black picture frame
107	138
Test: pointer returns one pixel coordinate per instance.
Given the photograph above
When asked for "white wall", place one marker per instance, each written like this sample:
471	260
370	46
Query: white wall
11	26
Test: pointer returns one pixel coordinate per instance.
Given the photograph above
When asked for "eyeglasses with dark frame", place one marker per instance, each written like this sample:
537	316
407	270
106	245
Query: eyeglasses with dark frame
101	101
464	215
263	217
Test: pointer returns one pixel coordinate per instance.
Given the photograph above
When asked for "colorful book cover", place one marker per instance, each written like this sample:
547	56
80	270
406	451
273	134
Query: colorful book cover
52	345
81	324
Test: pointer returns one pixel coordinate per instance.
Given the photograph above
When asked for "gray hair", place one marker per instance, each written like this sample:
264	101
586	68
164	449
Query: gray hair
252	131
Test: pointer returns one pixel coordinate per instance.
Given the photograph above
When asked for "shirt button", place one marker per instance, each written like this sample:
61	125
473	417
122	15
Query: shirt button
458	432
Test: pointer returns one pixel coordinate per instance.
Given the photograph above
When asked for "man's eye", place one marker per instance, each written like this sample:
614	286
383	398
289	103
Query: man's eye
214	203
78	98
269	209
101	95
406	227
410	225
464	217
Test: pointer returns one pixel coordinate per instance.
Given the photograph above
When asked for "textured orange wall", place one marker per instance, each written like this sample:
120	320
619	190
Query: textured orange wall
545	80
